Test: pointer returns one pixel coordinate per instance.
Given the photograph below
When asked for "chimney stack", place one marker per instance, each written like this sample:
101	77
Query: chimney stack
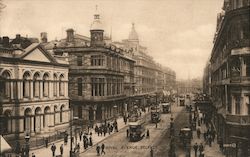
44	38
70	35
18	36
6	41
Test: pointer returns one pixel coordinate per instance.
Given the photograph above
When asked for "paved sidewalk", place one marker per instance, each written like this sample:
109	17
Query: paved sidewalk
213	151
95	139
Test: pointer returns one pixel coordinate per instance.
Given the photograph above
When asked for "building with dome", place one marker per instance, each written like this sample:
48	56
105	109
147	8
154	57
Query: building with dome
100	75
150	77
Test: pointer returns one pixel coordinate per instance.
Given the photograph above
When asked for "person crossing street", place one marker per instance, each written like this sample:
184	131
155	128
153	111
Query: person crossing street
103	147
195	149
53	149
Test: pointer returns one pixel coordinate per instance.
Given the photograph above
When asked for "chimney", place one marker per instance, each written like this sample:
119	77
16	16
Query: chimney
70	35
44	38
18	36
6	41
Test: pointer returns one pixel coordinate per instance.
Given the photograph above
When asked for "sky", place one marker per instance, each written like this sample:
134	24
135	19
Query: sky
178	33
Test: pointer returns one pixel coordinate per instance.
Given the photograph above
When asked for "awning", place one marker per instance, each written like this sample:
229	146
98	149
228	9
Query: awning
4	146
166	93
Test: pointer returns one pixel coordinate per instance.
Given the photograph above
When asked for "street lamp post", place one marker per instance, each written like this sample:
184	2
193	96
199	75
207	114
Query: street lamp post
27	147
71	123
72	153
115	109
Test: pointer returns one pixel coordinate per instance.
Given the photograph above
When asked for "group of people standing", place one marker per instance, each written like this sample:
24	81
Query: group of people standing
106	127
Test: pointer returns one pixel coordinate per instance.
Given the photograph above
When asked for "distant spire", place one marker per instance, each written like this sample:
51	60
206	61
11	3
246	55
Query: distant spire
96	25
96	15
133	34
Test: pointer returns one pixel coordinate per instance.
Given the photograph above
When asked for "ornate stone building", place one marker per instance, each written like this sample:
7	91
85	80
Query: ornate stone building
100	76
230	77
34	89
150	77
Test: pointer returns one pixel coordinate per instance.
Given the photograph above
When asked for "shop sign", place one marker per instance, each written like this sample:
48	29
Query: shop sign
240	51
232	145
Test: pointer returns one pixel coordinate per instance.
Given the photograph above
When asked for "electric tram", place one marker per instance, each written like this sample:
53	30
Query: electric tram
166	107
155	114
136	128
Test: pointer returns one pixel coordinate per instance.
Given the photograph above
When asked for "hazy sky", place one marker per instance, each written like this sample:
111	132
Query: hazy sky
178	33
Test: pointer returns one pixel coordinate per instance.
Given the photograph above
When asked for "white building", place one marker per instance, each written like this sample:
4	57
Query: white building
34	91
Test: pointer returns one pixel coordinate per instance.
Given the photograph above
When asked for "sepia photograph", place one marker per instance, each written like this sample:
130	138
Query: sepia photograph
125	78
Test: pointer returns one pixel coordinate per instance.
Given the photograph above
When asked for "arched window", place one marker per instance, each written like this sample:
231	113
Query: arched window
61	85
61	113
46	117
36	88
26	85
37	119
7	122
55	85
27	120
45	85
6	84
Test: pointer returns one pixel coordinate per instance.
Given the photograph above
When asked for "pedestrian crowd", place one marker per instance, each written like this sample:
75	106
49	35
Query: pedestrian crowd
208	134
106	128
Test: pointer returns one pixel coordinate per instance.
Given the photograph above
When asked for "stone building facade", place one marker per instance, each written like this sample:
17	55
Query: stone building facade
150	77
34	89
230	77
100	76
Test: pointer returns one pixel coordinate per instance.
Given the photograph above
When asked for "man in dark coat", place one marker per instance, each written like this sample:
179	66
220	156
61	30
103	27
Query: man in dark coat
46	142
53	149
98	150
90	141
201	148
195	149
103	147
61	149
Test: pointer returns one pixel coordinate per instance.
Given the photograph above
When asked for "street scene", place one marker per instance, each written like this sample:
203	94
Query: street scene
125	78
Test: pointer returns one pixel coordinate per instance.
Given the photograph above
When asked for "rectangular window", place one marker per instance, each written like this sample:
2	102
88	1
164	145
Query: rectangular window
237	105
79	60
97	60
79	85
97	86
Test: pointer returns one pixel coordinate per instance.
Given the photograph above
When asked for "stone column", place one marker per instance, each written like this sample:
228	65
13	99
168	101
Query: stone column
233	105
51	88
244	107
32	125
66	89
52	120
41	89
21	123
12	90
103	112
105	87
41	119
57	86
20	89
31	90
226	95
243	67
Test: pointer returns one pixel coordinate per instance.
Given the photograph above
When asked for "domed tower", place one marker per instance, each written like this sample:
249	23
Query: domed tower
133	36
96	31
